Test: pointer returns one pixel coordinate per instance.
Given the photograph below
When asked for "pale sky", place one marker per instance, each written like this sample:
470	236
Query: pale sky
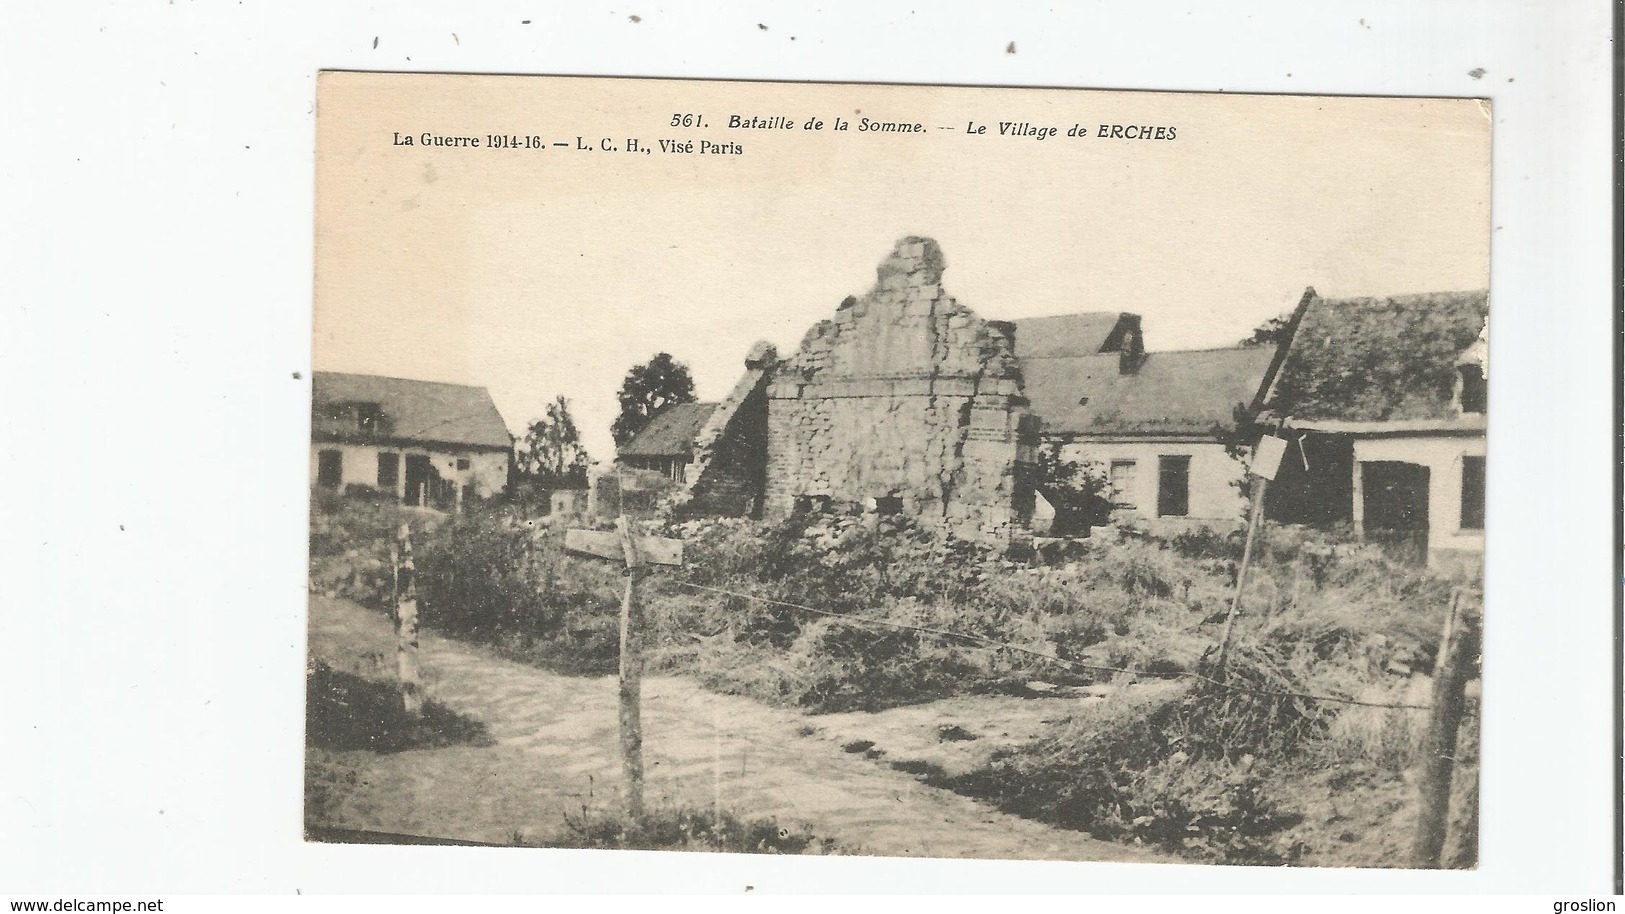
537	273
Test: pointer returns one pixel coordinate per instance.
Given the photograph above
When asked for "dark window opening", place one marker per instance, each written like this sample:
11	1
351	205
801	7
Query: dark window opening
389	470
462	463
329	469
889	504
1474	392
1173	486
1472	493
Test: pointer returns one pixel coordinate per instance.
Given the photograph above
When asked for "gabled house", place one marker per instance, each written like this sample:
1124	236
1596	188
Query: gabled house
1160	425
1387	398
423	442
666	444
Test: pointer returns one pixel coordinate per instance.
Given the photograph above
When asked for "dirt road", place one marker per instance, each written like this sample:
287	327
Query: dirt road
555	753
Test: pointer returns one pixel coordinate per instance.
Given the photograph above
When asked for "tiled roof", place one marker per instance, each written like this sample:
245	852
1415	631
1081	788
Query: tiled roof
1170	393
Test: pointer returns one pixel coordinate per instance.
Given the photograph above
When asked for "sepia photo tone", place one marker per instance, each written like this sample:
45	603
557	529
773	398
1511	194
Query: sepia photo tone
897	470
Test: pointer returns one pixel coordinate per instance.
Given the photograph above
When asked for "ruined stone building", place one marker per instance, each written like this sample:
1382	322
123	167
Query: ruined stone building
908	402
905	401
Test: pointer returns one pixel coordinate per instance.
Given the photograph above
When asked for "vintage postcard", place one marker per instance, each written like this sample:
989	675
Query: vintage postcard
898	470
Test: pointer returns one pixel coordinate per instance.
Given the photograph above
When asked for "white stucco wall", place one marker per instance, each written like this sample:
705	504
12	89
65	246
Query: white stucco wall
487	471
1215	499
1442	455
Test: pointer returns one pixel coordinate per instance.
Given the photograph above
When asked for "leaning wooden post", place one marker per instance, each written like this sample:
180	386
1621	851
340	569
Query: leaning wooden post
1266	460
1458	647
406	623
631	673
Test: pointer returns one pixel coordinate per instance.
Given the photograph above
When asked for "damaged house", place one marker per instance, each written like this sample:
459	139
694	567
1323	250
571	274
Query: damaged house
905	402
423	442
1385	399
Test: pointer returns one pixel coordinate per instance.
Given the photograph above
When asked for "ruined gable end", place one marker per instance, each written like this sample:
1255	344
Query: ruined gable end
908	399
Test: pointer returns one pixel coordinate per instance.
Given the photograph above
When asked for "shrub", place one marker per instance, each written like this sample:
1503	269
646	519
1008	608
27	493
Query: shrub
344	711
1185	767
499	576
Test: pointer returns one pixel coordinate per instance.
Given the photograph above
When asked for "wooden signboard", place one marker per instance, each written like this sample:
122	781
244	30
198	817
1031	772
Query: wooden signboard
606	544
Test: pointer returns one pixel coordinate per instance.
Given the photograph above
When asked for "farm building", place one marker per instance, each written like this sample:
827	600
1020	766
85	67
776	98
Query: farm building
666	444
424	442
1388	398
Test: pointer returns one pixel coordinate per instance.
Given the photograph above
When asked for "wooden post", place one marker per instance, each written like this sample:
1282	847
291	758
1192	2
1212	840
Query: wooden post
406	623
636	552
631	717
1458	646
1260	486
1357	498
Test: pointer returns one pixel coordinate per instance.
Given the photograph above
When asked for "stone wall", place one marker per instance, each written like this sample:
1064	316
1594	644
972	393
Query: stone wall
908	398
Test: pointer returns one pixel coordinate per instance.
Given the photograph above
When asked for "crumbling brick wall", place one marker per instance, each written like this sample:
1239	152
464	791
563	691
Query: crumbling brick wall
909	398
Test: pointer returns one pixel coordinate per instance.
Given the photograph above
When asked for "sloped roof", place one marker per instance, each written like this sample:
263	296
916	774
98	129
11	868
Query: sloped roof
1068	334
427	411
1378	359
1172	393
670	432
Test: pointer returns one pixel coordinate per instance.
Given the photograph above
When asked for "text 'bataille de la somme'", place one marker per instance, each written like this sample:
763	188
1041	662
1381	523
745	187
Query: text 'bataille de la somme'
688	145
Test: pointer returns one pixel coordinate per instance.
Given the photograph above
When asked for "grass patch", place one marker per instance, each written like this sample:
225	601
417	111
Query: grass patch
346	712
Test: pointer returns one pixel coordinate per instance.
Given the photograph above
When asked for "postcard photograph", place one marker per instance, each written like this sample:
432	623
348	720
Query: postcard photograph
847	469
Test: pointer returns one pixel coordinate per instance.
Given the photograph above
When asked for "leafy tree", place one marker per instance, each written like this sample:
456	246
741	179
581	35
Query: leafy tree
551	453
1268	333
660	382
